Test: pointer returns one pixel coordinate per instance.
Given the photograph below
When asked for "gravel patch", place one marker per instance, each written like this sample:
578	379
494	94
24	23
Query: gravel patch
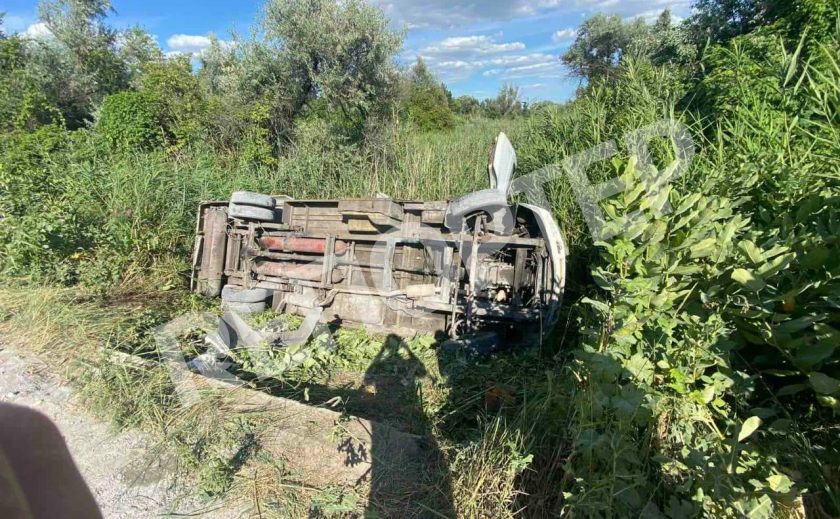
126	471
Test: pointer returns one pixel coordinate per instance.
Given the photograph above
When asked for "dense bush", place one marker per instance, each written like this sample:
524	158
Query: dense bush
427	108
507	102
716	347
466	105
425	100
171	88
131	121
23	103
41	224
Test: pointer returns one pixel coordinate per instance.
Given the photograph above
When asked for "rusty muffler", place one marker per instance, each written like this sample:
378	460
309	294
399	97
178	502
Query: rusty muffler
304	272
296	244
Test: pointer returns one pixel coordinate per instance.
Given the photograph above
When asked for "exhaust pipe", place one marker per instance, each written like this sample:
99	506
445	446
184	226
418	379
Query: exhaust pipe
295	244
293	271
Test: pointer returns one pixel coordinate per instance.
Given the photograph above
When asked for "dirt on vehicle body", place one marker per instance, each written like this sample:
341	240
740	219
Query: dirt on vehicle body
476	268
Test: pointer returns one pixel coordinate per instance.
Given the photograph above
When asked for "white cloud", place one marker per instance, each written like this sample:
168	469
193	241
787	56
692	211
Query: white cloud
192	44
651	15
457	57
522	59
472	45
37	31
539	69
533	89
459	13
562	35
188	43
456	70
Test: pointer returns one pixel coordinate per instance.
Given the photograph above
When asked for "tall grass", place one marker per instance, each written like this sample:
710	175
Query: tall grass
137	212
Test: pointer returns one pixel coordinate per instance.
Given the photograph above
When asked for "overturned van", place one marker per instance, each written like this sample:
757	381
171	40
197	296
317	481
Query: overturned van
476	270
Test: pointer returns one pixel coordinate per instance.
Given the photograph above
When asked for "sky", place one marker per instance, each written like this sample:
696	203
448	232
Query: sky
473	46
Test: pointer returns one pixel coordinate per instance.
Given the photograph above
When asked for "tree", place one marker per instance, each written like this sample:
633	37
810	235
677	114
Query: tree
24	103
341	53
307	59
248	93
721	20
466	105
506	103
12	81
79	65
419	73
539	106
601	42
176	94
137	48
80	26
426	100
130	121
221	65
670	43
718	21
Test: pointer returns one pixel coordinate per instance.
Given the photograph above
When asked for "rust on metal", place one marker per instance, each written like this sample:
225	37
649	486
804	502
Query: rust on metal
310	272
212	252
297	244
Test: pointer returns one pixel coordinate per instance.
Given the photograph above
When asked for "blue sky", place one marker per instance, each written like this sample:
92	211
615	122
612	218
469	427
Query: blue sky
473	46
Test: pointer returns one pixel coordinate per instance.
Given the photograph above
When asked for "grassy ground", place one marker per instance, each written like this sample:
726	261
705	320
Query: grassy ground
449	400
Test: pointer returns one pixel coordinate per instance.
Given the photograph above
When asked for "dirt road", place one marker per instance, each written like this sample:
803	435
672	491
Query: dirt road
125	470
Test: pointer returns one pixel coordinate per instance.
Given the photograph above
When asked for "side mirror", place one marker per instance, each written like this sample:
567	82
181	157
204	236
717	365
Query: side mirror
502	165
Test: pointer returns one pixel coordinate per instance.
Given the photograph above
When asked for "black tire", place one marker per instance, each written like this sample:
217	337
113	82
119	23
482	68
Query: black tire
253	199
250	212
234	294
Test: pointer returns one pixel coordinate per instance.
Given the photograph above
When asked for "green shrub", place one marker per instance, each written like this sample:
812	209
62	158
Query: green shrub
23	103
714	349
429	109
660	368
778	154
426	102
131	121
177	96
40	226
750	69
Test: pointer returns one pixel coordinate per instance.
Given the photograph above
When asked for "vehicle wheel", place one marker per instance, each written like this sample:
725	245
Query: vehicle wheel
254	199
488	201
245	308
234	294
250	212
